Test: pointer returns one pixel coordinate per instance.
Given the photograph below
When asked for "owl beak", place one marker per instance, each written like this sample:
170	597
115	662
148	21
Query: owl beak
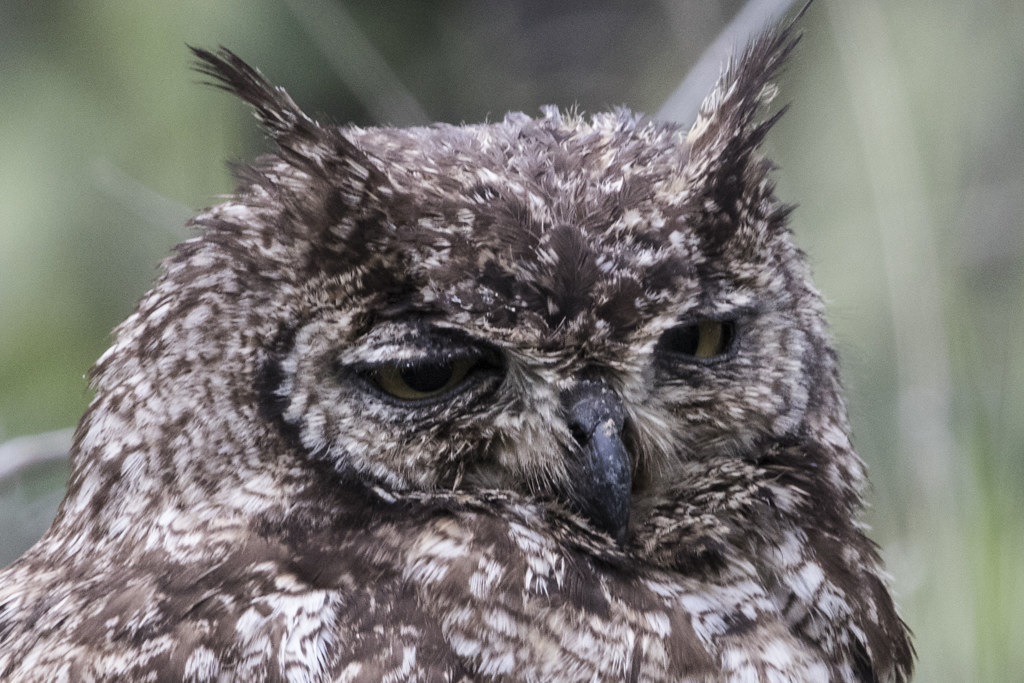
602	484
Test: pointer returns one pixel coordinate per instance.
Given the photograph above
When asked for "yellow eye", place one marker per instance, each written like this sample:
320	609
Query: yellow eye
704	340
419	379
711	339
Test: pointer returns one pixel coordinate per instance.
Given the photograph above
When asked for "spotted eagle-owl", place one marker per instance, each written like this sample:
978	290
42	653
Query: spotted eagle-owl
550	399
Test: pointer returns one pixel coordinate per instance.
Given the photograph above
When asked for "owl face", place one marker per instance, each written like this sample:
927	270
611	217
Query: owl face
548	398
571	309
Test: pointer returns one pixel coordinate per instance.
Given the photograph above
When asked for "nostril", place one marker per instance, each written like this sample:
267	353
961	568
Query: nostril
579	432
588	405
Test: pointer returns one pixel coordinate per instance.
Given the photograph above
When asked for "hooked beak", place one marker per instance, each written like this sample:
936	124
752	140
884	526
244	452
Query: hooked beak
603	479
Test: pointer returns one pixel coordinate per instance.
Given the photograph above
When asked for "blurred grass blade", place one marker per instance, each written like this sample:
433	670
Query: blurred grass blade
25	451
33	473
906	233
359	65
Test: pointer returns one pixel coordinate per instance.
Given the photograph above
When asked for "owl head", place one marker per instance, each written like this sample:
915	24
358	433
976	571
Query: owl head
586	312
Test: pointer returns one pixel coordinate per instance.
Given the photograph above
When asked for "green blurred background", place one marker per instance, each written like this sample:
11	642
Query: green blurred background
904	148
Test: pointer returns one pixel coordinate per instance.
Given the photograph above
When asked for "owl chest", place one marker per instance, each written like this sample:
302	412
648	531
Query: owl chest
490	599
485	620
499	593
488	624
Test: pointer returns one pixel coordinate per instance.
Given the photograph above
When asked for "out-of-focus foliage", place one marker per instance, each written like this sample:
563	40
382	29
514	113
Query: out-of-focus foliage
903	147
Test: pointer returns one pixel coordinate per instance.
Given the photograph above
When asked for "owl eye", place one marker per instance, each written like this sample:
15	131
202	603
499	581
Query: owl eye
703	340
416	380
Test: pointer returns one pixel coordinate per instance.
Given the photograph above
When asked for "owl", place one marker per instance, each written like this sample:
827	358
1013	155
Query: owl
548	399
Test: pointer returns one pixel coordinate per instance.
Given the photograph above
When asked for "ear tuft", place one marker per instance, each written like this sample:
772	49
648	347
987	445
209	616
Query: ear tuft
727	117
734	193
275	109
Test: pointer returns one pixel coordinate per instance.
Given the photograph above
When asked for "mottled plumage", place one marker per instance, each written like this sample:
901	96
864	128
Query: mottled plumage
544	399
